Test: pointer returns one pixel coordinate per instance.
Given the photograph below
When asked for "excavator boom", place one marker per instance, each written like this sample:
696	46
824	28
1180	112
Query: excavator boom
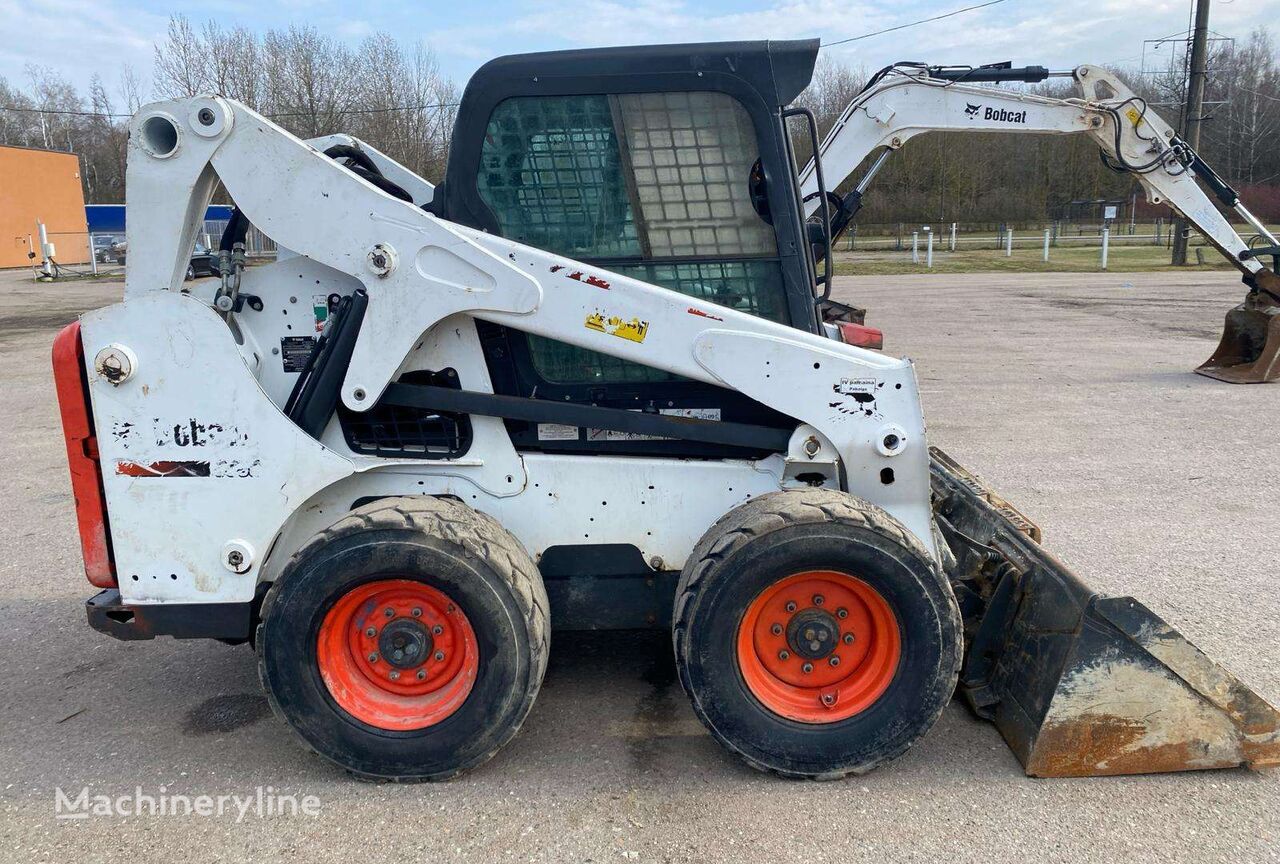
906	100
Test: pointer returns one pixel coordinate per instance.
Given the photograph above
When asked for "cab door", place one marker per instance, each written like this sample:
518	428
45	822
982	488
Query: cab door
667	186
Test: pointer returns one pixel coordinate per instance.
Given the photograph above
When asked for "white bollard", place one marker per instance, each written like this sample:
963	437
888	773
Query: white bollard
928	254
1008	243
1106	242
1046	245
46	250
915	247
953	236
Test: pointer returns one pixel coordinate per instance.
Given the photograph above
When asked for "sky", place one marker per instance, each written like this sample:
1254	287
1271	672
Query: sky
80	37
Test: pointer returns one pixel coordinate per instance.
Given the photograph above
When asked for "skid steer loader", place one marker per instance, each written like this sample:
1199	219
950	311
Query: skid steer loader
588	382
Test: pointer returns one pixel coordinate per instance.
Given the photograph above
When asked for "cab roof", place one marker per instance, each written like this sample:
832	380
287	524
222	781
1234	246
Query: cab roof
778	70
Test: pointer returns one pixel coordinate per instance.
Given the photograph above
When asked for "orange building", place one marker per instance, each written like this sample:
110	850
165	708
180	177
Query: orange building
41	185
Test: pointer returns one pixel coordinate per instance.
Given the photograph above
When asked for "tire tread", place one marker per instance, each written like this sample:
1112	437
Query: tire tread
773	512
479	535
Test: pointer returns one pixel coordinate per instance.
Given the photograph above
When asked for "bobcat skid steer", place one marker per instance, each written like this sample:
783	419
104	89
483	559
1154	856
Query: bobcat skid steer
585	383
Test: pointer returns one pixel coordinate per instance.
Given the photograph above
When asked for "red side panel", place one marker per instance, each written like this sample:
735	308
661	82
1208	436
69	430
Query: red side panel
861	335
82	456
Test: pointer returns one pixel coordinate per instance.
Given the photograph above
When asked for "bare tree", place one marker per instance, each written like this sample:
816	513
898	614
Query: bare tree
393	95
181	66
131	88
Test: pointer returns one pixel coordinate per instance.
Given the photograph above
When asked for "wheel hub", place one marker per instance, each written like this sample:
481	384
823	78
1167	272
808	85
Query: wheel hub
813	633
404	643
397	654
818	646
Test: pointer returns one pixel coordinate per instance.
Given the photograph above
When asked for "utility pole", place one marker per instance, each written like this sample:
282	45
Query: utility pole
1191	113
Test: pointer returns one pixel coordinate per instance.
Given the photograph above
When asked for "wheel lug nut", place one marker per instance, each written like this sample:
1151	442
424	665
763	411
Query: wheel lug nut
373	658
394	675
842	612
834	661
437	630
439	655
828	698
422	673
371	632
388	611
791	606
806	668
818	600
776	629
848	638
417	613
784	655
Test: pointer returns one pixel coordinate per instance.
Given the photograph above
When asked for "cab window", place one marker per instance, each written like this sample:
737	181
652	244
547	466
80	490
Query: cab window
650	185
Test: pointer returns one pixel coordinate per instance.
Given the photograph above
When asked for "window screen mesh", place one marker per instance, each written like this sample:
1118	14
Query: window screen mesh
551	172
558	174
691	154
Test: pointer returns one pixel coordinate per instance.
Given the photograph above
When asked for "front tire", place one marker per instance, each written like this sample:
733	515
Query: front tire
407	641
814	635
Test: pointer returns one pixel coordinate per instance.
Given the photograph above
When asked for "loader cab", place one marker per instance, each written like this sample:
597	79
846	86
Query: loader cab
669	164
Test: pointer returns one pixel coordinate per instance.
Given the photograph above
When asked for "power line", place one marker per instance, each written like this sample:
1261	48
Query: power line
912	24
387	110
60	111
1260	95
372	110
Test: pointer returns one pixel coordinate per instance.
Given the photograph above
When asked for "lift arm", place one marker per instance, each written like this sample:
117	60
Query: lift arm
907	100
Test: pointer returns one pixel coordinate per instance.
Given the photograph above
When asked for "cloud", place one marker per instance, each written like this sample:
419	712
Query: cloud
78	37
1058	35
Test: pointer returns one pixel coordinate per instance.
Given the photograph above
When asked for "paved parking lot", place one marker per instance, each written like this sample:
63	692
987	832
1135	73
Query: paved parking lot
1072	393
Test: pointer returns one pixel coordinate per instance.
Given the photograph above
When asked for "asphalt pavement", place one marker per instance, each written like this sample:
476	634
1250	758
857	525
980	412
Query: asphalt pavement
1071	393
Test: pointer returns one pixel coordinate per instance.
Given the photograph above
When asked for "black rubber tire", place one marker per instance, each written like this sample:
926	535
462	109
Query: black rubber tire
453	548
770	538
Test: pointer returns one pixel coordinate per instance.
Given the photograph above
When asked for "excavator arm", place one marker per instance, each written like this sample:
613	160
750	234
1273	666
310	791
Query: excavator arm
906	100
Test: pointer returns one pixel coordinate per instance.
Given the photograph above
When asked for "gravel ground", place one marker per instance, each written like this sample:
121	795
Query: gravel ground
1072	393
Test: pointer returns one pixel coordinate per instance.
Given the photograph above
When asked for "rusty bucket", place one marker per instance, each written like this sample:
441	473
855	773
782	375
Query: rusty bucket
1079	684
1249	351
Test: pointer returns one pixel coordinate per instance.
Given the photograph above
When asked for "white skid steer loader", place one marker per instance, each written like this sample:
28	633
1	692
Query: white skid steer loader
588	383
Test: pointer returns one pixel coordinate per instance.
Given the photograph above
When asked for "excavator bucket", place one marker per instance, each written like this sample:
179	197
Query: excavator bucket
1077	683
1249	352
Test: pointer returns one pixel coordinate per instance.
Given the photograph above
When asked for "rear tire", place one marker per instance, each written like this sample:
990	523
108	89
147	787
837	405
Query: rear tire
468	628
768	591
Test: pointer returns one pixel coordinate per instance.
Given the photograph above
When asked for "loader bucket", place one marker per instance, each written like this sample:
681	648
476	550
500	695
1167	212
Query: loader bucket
1079	684
1249	351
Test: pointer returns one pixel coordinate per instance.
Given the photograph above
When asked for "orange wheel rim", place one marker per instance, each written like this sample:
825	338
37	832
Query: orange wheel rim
397	654
819	646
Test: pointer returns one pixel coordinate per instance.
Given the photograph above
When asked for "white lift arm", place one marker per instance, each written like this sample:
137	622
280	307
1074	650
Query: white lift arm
908	101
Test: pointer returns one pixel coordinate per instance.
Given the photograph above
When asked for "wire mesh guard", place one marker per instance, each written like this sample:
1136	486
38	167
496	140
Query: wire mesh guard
651	177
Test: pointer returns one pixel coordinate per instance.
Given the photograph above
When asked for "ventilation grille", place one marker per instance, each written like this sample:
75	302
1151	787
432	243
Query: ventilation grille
397	432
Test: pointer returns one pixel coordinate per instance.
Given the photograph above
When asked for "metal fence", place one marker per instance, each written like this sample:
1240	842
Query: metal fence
83	254
256	244
956	236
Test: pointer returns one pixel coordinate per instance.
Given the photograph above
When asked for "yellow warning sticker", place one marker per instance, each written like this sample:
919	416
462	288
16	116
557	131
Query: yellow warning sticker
634	330
1133	116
